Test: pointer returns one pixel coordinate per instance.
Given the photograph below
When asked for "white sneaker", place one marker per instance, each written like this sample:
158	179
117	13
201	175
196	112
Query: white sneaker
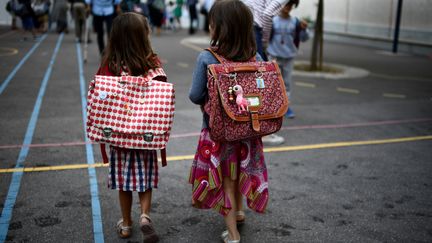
273	140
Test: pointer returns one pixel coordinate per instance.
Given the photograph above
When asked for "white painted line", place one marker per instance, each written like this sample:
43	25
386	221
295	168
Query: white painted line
404	78
192	46
395	96
346	90
183	64
306	85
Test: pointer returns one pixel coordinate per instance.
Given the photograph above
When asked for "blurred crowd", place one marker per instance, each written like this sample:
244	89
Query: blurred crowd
40	16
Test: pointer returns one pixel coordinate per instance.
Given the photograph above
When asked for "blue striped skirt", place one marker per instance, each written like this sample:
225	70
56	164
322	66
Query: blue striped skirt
133	169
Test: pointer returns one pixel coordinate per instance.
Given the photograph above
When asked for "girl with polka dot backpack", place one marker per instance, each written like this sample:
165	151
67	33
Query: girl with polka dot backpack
131	108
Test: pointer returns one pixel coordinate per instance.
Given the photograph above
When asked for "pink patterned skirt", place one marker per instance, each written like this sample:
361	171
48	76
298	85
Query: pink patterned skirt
242	161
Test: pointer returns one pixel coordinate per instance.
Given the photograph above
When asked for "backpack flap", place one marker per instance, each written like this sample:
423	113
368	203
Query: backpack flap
250	91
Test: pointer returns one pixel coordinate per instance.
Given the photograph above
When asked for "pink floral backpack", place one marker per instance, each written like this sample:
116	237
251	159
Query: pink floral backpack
246	99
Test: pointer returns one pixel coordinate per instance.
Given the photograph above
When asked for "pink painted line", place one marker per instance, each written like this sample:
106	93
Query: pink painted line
42	145
364	124
195	134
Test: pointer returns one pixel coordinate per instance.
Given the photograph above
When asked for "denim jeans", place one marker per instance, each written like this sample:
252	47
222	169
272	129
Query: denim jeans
286	66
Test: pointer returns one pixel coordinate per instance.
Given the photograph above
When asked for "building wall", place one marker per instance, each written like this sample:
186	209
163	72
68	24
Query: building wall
5	18
374	18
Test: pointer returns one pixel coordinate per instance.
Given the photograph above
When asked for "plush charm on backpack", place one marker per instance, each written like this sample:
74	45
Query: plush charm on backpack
240	100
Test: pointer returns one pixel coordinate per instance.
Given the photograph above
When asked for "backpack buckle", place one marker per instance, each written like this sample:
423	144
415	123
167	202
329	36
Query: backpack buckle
107	132
148	137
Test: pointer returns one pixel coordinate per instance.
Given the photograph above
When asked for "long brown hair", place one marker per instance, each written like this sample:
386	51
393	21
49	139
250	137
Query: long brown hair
129	46
231	24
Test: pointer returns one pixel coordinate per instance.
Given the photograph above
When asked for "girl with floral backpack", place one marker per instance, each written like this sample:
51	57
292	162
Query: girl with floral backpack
223	173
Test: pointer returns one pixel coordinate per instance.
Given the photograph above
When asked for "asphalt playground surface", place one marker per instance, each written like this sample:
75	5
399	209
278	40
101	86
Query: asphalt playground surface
356	165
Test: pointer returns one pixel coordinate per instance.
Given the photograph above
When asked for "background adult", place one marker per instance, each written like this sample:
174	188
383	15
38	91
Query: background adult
103	12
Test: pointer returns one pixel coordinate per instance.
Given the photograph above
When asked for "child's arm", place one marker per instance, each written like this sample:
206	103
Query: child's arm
272	9
198	90
304	33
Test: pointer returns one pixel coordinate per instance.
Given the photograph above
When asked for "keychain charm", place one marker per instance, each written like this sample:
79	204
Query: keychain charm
260	83
230	94
242	103
259	80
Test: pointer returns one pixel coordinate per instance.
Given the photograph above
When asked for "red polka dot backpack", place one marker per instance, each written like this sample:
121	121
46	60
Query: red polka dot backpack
133	112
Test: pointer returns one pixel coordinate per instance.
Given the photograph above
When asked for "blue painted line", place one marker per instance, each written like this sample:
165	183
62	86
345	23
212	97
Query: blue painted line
96	209
16	176
19	65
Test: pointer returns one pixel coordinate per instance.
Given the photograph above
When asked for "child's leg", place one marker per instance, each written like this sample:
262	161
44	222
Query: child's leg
145	201
126	207
239	203
146	224
229	186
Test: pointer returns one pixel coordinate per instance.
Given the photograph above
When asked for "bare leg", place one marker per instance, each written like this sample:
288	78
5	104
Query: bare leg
239	202
145	201
229	186
126	207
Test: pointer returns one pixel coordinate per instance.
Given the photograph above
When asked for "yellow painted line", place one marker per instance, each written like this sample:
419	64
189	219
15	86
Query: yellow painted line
5	51
181	157
306	85
267	150
183	64
347	144
346	90
397	96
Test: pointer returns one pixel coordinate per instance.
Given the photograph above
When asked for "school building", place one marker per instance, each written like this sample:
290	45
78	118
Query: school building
372	22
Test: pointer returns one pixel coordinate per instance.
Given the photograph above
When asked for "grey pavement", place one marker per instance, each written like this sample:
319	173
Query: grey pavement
367	179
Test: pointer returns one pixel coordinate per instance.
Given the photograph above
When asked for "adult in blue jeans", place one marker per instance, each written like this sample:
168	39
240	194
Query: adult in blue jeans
103	11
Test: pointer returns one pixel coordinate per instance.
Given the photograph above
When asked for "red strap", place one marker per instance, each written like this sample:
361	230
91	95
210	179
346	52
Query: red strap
104	154
163	157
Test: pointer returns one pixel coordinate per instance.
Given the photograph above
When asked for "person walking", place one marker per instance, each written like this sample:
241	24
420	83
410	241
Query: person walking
157	10
41	10
103	13
263	13
24	10
287	33
59	15
205	9
79	13
129	52
193	16
178	12
223	172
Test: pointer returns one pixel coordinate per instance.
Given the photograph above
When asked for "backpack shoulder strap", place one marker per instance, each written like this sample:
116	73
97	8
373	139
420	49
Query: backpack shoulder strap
219	58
